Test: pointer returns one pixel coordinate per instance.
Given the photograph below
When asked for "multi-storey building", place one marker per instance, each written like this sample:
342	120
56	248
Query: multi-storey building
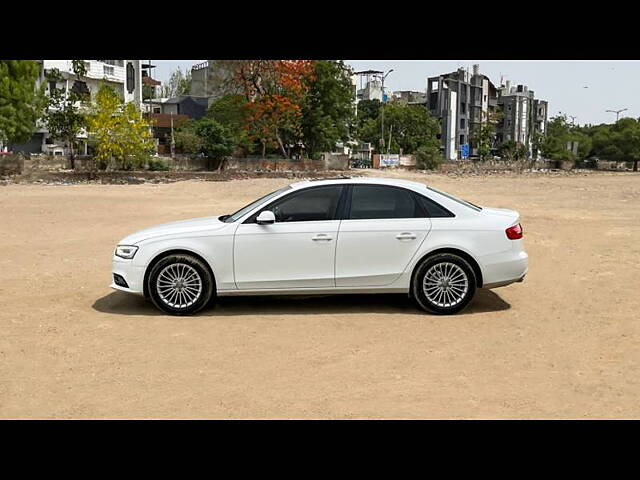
522	116
410	97
465	101
209	80
124	76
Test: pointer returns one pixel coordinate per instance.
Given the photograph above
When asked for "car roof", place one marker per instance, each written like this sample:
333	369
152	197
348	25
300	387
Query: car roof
355	180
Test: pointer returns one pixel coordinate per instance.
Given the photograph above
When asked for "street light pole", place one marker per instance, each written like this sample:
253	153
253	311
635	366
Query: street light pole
618	112
382	110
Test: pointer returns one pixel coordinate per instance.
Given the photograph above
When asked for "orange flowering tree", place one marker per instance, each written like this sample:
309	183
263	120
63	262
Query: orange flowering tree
275	91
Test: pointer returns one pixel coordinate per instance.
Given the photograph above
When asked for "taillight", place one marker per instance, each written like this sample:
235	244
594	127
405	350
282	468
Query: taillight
515	232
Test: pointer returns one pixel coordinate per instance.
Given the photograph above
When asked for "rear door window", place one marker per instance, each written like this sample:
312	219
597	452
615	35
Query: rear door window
380	202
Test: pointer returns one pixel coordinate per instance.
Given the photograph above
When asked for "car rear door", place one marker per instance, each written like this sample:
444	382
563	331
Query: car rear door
298	250
382	230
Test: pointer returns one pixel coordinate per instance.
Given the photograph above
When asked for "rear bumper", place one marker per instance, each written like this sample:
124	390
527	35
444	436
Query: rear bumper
504	269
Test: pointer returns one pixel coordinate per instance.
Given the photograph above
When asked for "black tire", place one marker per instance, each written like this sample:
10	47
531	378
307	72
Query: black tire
458	297
175	265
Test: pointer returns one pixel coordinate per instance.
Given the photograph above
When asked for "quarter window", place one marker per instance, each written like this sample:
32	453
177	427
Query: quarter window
433	209
377	201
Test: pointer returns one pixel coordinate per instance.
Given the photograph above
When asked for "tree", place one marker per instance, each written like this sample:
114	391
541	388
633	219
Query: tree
367	109
625	141
217	142
559	133
119	131
186	138
231	112
485	135
512	150
428	157
21	103
179	84
327	110
409	127
65	117
274	90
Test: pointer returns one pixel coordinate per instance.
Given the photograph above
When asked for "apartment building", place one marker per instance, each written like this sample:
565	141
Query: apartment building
464	101
209	80
124	76
522	116
410	97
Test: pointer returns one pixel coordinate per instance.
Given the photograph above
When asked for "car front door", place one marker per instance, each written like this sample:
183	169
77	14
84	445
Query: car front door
383	229
298	250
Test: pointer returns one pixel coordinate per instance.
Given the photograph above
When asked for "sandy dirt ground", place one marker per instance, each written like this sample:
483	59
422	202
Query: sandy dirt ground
563	344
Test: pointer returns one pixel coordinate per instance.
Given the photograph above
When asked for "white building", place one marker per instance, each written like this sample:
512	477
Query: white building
124	76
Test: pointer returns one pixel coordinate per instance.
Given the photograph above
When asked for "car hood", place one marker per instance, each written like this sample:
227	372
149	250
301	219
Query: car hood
180	227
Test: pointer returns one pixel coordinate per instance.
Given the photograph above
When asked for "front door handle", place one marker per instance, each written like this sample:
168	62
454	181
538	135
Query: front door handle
406	236
322	237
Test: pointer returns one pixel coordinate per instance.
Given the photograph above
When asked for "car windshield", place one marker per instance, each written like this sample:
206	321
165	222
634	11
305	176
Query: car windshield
456	199
244	210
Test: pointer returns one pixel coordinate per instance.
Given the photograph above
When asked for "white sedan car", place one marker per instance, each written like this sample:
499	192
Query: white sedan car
343	235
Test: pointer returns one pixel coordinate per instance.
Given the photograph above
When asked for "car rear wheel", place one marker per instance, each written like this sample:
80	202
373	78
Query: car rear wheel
444	284
180	284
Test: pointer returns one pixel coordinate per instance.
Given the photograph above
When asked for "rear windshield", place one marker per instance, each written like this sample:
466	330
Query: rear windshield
456	199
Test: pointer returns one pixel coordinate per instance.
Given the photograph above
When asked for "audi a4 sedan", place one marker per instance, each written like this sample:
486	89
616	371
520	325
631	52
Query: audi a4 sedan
343	235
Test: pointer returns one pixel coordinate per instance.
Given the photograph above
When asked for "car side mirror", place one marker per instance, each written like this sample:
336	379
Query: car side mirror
266	217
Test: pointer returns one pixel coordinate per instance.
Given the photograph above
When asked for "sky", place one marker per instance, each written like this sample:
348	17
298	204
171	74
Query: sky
611	85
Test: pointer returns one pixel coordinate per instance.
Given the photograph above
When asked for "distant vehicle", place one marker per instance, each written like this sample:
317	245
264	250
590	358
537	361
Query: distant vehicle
345	235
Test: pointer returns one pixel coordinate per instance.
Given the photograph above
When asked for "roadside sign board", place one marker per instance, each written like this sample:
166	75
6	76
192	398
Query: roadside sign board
389	160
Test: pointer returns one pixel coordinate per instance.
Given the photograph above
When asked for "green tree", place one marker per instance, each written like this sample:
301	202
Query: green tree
367	110
65	117
217	142
559	133
485	135
428	157
187	141
118	131
21	103
409	127
231	112
327	109
512	150
179	84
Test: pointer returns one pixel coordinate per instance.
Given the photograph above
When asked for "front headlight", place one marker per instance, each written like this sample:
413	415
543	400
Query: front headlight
126	251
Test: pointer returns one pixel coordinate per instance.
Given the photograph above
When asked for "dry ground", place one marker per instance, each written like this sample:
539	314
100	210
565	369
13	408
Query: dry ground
563	344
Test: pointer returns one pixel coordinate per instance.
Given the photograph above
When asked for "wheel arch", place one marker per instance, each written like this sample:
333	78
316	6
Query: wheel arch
456	251
176	251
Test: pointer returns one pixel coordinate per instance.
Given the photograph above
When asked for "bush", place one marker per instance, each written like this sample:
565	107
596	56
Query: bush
428	158
157	165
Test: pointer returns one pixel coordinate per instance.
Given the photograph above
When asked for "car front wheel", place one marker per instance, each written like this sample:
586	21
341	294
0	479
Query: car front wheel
180	284
444	284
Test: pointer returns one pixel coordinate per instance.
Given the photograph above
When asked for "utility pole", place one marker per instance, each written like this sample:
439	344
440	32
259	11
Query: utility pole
172	139
618	112
382	110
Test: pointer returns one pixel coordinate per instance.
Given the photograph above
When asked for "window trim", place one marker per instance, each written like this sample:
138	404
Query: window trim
251	219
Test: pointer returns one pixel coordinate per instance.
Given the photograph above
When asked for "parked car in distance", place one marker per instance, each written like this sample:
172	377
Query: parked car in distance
342	235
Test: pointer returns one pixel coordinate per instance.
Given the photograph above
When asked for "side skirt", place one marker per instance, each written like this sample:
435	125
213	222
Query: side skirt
312	291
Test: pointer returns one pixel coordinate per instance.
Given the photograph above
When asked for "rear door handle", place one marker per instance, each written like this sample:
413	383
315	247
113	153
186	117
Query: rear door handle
322	237
406	236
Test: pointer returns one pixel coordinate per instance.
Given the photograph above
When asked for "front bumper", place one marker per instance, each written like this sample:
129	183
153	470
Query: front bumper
133	275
